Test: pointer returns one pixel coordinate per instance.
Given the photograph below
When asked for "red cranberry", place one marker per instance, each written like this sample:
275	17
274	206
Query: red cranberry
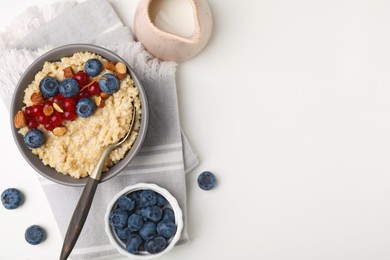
47	103
70	115
94	89
42	119
82	78
37	110
58	98
56	118
84	94
32	123
49	126
70	104
29	111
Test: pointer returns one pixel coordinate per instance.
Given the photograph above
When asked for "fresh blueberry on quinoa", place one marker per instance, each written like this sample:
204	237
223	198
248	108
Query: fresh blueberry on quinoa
93	67
49	87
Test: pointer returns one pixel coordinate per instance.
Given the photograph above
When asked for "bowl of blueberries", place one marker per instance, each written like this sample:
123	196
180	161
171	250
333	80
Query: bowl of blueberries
143	221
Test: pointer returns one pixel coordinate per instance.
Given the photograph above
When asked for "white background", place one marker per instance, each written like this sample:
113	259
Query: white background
289	105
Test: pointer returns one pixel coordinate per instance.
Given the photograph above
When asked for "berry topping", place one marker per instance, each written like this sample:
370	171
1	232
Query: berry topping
34	235
29	111
32	123
58	98
49	126
56	118
34	138
69	87
11	198
42	119
85	107
83	94
94	89
37	110
70	115
93	67
111	85
82	78
206	180
70	104
48	87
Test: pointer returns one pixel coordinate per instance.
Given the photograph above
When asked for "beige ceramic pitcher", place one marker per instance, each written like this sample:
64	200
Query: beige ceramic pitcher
168	46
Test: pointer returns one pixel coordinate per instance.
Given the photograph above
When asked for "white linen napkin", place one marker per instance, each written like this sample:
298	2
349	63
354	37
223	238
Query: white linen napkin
166	154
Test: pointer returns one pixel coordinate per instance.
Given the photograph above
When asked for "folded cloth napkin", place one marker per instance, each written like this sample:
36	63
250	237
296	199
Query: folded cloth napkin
166	154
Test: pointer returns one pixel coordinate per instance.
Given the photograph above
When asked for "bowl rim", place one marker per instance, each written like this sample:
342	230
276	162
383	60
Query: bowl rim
171	200
37	66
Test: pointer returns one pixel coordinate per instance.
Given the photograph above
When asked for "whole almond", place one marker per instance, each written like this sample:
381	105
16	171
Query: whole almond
48	110
36	98
109	65
59	130
68	72
57	107
20	119
120	70
99	101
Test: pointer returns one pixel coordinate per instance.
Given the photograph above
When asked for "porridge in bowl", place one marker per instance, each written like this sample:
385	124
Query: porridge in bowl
75	108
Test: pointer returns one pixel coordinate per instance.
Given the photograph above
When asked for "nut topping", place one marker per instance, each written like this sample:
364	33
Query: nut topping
20	119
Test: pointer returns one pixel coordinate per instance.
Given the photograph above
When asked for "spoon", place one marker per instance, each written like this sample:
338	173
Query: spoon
81	212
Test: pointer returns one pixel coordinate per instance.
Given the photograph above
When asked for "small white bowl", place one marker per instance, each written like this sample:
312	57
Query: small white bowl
117	242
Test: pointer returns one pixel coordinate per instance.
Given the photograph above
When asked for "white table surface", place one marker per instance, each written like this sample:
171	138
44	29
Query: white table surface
289	105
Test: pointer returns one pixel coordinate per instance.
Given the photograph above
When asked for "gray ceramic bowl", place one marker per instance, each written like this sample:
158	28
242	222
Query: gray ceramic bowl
17	104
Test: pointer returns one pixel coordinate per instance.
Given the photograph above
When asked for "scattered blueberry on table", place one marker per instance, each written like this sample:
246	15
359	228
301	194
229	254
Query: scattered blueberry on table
150	223
93	67
11	198
207	180
34	235
34	138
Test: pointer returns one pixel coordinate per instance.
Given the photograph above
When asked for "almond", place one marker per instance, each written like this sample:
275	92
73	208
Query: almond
48	110
59	130
36	98
104	95
99	101
20	119
109	65
120	70
68	72
57	108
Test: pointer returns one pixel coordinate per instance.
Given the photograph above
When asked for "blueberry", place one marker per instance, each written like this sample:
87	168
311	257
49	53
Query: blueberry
34	235
118	218
85	107
148	230
34	138
152	213
147	198
135	222
11	198
93	67
155	245
135	196
133	243
126	203
206	180
48	87
161	201
109	86
123	233
166	229
168	215
69	87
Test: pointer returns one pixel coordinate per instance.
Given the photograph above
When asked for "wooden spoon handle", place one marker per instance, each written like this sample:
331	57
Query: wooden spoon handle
78	219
